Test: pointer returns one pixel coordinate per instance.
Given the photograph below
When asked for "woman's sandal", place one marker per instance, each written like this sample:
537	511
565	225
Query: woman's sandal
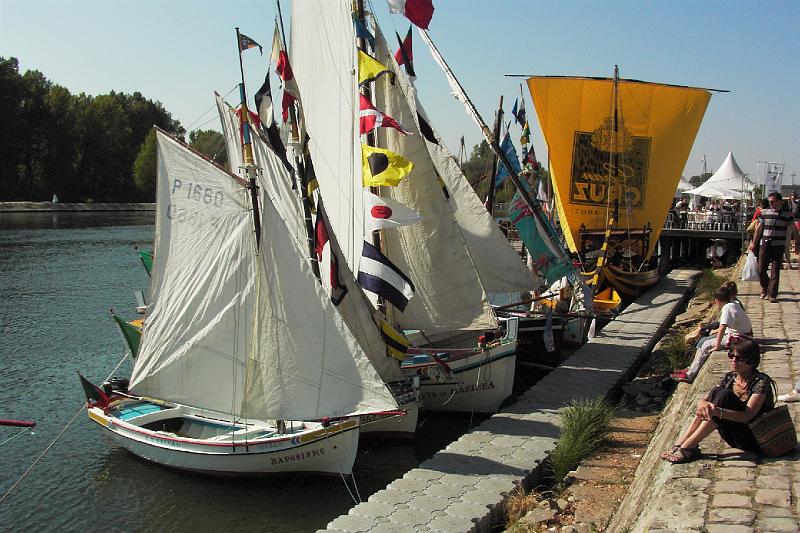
670	453
684	455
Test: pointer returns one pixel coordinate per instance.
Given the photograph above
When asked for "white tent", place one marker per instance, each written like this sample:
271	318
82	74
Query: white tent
683	186
727	182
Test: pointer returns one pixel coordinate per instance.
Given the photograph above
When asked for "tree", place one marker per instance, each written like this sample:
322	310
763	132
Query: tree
144	168
698	180
209	143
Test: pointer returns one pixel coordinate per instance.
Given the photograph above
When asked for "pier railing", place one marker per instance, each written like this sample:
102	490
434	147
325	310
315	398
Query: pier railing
707	221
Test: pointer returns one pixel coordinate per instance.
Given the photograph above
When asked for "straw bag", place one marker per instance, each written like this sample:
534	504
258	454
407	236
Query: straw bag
774	431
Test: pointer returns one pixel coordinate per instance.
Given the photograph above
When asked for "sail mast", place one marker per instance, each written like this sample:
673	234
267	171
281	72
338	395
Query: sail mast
498	120
247	148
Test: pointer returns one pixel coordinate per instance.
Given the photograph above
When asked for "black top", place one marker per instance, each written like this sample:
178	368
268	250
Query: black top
760	384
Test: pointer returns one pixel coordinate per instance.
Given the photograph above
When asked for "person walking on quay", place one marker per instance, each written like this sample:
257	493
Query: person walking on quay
770	238
741	395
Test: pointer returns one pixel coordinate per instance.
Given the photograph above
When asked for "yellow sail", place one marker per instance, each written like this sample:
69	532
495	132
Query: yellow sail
640	166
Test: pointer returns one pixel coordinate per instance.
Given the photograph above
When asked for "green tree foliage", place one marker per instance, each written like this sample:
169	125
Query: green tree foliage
144	168
700	179
479	164
209	143
79	147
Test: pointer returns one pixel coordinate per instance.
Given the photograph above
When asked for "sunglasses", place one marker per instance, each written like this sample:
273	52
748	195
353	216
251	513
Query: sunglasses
738	358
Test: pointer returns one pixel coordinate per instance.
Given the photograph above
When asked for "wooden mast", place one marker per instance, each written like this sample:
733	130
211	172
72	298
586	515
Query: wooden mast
498	120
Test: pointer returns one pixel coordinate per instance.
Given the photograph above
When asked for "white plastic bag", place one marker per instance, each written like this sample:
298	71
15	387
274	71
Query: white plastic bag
750	270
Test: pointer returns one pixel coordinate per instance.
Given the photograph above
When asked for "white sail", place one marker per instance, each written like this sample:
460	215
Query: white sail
195	340
276	181
315	367
499	267
323	58
433	253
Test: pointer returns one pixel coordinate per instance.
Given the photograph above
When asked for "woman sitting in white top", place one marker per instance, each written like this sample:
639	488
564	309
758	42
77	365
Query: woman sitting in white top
732	320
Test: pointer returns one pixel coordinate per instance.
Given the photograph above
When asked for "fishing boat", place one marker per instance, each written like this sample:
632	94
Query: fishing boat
244	366
450	310
617	148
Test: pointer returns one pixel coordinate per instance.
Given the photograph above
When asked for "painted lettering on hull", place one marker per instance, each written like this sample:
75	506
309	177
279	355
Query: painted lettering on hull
301	456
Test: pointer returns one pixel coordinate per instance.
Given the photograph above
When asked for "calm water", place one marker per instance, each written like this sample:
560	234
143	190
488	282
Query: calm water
59	275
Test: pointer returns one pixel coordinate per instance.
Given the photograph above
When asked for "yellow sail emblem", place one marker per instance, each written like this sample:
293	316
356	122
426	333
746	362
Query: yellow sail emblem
629	154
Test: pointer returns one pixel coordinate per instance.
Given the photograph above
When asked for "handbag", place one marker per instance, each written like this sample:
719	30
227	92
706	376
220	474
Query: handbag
774	430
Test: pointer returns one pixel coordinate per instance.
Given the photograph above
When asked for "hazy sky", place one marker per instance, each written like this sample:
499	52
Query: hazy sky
178	52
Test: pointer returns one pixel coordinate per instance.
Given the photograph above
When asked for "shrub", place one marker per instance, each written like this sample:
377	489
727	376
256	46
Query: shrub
676	350
708	284
584	423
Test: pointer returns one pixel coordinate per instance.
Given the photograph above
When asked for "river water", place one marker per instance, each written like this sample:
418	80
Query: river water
59	275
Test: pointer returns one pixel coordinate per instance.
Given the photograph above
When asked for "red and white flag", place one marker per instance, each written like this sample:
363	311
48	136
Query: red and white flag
328	264
290	90
383	213
419	12
370	118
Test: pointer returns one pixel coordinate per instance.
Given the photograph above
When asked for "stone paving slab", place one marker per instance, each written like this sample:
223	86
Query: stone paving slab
742	491
462	487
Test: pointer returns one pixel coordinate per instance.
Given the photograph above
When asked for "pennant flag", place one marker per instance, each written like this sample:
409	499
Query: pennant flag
382	167
378	275
426	130
130	334
147	260
290	91
511	154
328	264
362	32
521	115
370	69
380	213
396	343
405	55
309	175
277	45
245	43
263	98
526	135
95	397
514	109
370	118
419	12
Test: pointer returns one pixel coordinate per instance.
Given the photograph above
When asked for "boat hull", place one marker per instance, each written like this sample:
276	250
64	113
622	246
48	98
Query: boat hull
472	381
394	426
631	283
314	449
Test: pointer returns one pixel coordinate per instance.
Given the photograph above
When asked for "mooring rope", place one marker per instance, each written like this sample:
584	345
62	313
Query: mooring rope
47	449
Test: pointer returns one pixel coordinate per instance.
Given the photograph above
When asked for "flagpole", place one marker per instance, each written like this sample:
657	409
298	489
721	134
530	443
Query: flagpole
498	119
247	148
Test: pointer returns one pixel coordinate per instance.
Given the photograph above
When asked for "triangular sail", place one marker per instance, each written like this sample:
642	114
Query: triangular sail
656	129
277	182
194	345
449	294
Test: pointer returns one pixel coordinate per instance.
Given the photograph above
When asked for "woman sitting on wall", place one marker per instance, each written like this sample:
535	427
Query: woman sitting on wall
732	320
741	395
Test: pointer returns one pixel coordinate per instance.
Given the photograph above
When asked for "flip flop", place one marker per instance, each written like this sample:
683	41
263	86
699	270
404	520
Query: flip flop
670	453
684	455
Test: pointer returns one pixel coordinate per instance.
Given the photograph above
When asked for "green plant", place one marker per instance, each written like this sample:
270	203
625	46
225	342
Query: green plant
676	350
584	423
708	284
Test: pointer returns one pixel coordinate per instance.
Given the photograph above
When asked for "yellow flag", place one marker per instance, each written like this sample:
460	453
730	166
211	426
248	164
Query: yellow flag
396	343
369	69
382	167
637	168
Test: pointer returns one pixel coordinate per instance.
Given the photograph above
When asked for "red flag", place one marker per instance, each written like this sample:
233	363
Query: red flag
404	54
95	396
255	121
420	12
370	118
290	92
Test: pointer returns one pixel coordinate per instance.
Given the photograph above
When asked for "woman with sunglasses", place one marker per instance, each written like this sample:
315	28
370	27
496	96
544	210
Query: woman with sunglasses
741	395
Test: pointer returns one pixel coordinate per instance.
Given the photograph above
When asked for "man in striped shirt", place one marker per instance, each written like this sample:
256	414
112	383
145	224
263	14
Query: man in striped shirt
771	238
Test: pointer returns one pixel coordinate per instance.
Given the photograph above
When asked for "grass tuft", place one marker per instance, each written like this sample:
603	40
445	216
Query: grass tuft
708	284
584	423
676	350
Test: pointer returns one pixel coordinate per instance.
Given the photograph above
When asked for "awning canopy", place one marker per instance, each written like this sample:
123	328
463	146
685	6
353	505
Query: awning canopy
727	182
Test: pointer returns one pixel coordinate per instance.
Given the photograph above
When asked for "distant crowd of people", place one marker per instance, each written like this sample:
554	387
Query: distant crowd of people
745	392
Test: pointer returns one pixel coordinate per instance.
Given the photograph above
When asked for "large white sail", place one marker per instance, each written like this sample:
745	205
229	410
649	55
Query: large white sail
195	340
305	362
433	253
499	267
323	58
276	181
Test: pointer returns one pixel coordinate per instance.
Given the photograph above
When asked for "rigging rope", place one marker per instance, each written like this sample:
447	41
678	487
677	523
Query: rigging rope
47	449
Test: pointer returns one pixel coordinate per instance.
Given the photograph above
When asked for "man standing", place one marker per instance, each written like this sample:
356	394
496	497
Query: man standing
771	236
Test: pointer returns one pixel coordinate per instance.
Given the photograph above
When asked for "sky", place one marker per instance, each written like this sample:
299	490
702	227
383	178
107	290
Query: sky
178	52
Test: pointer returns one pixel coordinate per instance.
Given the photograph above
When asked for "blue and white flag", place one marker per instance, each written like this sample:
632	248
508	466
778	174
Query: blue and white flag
511	154
379	275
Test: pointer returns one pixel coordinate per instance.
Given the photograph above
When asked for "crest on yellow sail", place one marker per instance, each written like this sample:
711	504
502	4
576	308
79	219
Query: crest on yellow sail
635	156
